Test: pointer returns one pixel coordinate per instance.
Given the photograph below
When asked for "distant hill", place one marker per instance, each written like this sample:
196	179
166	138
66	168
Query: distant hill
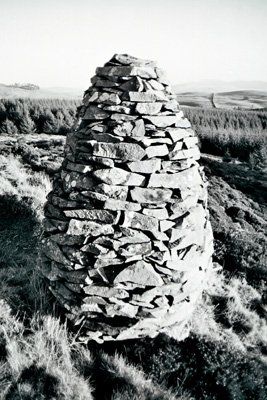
240	99
207	94
15	91
214	86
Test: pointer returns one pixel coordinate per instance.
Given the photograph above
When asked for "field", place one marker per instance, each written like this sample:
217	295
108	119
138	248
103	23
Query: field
227	100
225	355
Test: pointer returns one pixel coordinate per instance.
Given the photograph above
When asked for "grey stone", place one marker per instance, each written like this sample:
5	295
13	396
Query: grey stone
118	109
162	121
190	237
123	117
136	220
140	273
177	165
134	84
148	108
64	239
63	203
104	137
94	300
148	195
106	292
132	236
157	151
103	83
60	291
184	154
176	149
87	228
91	195
146	97
91	308
118	176
171	106
126	59
81	168
139	129
125	310
165	225
97	127
135	249
104	98
53	251
94	249
155	85
123	129
122	151
76	180
99	215
112	191
97	160
177	134
143	72
134	129
145	167
55	225
190	142
178	208
183	123
159	213
101	263
113	204
95	113
187	178
148	141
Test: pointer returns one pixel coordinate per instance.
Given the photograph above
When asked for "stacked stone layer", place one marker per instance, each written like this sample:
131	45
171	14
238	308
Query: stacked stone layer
128	242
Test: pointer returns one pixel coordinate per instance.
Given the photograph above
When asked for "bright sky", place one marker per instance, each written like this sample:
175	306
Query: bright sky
61	42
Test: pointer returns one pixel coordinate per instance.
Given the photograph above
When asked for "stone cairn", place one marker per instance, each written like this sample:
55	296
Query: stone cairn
127	240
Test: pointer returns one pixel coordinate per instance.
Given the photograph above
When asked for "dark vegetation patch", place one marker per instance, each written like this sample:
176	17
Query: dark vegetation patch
207	370
235	133
33	383
40	115
21	284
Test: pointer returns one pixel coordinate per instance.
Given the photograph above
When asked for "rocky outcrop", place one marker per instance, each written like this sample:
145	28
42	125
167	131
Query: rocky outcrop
128	243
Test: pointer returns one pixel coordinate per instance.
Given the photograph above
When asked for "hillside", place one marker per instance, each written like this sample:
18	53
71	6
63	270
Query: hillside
187	95
241	99
11	92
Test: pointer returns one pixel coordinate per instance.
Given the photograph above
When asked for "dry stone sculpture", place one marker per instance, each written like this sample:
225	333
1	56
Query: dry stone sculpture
127	240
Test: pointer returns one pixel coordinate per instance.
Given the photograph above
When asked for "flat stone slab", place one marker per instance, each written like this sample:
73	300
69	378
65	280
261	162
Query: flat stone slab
121	151
142	71
187	178
118	176
147	195
87	228
141	273
145	166
148	108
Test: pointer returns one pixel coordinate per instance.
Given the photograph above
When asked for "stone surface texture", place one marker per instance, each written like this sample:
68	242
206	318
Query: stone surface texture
127	244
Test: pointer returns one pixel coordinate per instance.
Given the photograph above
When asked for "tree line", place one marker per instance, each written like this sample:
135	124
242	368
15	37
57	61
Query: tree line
24	116
235	133
232	133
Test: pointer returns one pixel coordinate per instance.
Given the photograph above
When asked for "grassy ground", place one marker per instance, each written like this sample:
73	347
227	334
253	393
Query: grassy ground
226	354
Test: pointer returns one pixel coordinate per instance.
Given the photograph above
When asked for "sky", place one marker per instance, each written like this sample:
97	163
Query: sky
61	42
